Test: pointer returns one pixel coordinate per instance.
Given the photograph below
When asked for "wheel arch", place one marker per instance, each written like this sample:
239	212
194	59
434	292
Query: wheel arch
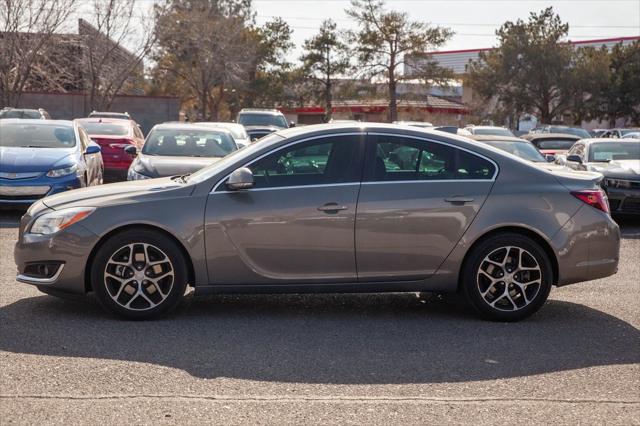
525	232
96	247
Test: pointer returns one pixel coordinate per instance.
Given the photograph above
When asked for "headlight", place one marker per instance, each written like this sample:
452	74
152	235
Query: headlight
50	223
133	175
617	183
63	171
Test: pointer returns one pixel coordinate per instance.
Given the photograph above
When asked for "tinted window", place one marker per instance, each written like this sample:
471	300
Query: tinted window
37	135
554	144
608	151
188	143
20	113
320	161
257	119
398	158
110	129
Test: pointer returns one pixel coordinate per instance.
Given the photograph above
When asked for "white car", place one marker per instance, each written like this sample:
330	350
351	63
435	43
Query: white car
237	130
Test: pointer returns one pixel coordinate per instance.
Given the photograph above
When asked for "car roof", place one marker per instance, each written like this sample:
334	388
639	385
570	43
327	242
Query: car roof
219	124
261	111
495	138
190	126
37	121
104	120
530	136
487	127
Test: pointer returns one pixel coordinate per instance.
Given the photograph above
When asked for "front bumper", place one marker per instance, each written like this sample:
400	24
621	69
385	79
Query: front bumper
624	201
23	192
69	248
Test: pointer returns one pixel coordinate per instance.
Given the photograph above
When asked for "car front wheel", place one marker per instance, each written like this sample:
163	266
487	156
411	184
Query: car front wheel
139	274
507	277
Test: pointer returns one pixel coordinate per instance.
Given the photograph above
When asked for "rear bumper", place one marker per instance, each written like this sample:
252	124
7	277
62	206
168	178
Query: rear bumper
587	247
624	201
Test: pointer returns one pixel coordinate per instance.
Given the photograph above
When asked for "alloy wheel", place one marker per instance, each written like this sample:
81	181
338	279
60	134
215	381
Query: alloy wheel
139	276
509	278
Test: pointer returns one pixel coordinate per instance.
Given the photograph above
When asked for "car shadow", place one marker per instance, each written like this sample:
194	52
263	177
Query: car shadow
330	339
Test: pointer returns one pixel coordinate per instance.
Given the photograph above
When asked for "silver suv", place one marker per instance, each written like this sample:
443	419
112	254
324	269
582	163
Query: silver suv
263	118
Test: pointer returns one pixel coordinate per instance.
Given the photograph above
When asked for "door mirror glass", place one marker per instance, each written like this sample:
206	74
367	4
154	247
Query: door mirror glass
241	178
574	158
92	149
131	150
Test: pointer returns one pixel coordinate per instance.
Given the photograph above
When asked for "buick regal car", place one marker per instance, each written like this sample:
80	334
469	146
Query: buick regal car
353	207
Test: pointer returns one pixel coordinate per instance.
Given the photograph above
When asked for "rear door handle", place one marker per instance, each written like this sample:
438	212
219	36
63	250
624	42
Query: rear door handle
458	199
332	208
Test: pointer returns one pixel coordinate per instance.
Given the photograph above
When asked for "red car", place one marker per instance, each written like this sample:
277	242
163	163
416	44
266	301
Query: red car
114	135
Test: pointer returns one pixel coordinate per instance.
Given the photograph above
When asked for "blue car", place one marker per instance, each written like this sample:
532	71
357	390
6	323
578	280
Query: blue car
44	157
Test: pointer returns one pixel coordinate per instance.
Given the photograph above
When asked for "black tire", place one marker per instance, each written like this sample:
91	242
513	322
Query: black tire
160	245
508	309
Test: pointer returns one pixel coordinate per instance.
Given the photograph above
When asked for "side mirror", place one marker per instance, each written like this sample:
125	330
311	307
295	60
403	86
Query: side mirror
550	158
292	124
131	150
92	149
574	158
241	178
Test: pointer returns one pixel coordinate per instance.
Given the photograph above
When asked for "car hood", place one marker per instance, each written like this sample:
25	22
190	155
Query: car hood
17	160
162	166
617	168
118	193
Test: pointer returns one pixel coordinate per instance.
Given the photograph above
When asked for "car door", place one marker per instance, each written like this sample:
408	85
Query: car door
296	225
417	199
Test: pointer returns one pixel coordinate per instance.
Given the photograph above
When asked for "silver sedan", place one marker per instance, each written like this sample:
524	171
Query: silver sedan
350	207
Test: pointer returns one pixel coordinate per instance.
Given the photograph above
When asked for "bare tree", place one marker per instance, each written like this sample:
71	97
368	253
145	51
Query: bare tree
206	47
28	41
109	67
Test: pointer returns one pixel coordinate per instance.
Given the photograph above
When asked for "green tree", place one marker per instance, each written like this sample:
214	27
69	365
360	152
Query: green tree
530	70
325	57
384	38
621	99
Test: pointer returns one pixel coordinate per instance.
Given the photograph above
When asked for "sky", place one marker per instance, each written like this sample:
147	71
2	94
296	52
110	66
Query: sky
473	21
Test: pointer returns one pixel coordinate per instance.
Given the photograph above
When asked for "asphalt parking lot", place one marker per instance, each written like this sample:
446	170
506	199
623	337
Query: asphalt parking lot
376	359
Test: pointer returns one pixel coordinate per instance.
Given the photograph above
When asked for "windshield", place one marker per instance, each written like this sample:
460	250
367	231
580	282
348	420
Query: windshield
236	130
205	173
249	119
607	151
111	129
560	144
20	113
188	143
571	131
626	132
492	131
37	135
521	149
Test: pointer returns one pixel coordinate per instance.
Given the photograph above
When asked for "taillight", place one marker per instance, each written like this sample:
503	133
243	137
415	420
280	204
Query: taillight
594	197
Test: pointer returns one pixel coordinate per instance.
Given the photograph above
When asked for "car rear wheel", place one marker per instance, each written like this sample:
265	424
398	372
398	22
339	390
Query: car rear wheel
507	277
139	274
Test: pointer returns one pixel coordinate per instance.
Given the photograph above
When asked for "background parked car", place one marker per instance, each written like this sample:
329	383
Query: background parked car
179	149
619	133
238	131
45	157
520	148
24	113
552	143
250	117
108	114
489	130
114	135
563	130
619	162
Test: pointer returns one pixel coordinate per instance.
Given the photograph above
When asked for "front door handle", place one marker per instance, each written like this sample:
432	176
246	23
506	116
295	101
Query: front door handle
458	199
332	208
